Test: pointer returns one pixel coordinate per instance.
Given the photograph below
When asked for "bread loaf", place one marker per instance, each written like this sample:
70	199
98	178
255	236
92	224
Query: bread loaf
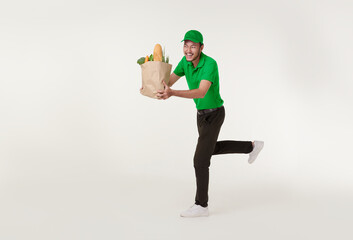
157	53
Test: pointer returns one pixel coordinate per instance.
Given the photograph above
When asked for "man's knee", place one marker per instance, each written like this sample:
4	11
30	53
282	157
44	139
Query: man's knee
201	163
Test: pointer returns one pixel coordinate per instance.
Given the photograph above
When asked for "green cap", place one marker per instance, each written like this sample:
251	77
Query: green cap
194	36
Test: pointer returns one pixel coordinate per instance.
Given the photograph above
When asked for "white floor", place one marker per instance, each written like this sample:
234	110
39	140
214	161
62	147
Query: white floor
147	207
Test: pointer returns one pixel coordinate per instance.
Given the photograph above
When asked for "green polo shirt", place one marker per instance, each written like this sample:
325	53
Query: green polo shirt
206	69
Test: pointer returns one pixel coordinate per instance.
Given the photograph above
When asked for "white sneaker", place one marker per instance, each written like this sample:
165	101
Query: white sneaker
195	211
258	145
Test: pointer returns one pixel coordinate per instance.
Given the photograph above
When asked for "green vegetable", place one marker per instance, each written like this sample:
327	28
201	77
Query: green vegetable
163	54
167	60
151	57
141	60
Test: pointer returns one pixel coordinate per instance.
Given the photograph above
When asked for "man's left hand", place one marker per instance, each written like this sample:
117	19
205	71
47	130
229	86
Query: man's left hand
164	94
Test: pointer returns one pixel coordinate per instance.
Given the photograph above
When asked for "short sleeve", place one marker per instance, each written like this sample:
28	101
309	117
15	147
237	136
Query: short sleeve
179	70
210	72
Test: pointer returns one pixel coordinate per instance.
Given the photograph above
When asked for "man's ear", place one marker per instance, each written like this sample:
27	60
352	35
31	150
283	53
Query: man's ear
201	47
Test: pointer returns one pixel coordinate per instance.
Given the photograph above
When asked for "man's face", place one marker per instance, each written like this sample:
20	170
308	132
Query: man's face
192	50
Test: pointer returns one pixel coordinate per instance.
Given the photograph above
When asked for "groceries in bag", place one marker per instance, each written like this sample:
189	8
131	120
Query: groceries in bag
155	69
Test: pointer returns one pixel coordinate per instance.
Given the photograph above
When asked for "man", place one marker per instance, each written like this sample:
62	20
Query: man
201	73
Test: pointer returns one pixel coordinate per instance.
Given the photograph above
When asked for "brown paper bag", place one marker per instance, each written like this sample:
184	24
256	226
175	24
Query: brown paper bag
153	73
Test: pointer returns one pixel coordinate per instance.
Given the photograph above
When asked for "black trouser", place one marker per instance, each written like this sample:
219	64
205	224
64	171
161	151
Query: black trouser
209	125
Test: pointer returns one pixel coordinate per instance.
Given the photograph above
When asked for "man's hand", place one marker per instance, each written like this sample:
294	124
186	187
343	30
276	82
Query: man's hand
164	94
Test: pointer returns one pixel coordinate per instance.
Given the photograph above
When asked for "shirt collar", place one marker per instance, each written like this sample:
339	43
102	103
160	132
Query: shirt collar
201	62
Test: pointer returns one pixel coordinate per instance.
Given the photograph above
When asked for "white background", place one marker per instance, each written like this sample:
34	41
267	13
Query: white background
84	156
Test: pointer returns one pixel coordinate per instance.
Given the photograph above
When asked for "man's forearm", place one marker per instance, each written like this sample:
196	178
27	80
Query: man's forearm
171	82
194	93
172	79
